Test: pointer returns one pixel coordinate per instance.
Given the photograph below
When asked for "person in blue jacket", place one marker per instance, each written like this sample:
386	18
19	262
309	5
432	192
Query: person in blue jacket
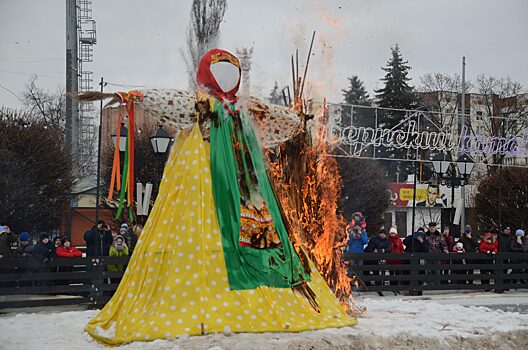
357	239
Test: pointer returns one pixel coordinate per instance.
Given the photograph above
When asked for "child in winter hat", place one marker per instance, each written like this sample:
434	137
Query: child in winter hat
119	243
459	248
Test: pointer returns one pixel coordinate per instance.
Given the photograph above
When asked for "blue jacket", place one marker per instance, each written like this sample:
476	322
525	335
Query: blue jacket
356	245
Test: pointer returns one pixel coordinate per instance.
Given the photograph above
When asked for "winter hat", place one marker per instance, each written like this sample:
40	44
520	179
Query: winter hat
467	229
3	229
393	230
43	236
432	223
23	237
519	232
382	231
99	222
459	245
65	239
124	225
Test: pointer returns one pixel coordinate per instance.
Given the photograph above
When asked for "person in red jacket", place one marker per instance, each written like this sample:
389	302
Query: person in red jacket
67	250
397	247
490	246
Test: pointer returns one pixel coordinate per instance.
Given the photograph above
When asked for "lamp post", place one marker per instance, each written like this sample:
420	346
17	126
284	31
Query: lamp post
160	141
454	175
122	138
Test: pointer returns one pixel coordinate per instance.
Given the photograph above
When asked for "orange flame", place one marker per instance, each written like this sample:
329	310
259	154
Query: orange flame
308	182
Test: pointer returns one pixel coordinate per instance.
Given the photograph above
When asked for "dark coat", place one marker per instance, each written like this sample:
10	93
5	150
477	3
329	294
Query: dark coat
377	243
44	252
504	242
97	242
6	239
412	241
470	244
23	251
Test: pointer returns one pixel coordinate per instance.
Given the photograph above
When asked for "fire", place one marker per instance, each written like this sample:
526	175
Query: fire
309	186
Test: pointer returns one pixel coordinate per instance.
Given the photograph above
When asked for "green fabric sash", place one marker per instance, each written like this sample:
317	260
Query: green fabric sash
247	268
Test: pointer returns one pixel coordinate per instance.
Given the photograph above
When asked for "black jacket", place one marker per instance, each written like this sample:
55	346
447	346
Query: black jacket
24	250
378	243
504	243
97	242
44	252
470	244
413	245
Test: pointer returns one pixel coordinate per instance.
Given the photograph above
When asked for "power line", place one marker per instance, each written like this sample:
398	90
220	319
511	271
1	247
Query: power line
31	60
12	93
31	74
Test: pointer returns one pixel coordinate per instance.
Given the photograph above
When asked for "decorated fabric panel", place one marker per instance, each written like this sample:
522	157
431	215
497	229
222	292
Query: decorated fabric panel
174	107
275	124
176	282
248	266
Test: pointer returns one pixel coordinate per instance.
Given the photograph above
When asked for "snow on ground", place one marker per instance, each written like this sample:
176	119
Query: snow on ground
394	323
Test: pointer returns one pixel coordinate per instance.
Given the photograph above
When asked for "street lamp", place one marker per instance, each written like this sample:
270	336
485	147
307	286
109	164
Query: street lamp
447	175
123	132
160	140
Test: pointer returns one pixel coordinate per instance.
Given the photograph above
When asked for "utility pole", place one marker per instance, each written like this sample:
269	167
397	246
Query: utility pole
462	123
99	142
72	84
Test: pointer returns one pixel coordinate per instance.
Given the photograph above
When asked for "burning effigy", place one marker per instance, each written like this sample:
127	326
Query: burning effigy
217	252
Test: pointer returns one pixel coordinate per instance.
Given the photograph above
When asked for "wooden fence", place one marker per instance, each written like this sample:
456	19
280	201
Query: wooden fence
25	282
416	272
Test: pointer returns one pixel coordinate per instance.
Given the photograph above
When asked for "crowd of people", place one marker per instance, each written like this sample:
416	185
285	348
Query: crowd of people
431	240
100	240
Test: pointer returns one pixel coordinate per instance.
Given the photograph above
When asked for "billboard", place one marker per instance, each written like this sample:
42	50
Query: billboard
427	195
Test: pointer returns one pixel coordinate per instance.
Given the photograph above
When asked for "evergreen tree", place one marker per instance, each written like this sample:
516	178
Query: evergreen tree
356	93
396	93
275	95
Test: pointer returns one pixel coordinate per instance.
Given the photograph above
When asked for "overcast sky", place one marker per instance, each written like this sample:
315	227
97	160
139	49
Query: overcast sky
139	41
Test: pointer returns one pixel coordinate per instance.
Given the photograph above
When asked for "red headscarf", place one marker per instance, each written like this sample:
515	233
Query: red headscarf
205	79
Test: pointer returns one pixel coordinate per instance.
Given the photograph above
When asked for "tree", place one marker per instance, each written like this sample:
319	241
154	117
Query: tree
275	95
36	180
506	101
356	93
203	32
512	184
44	105
396	93
365	189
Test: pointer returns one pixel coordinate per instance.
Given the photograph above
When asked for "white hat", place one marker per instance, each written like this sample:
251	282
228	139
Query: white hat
460	245
124	225
393	230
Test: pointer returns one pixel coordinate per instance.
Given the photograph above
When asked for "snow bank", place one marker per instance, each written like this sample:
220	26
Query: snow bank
389	323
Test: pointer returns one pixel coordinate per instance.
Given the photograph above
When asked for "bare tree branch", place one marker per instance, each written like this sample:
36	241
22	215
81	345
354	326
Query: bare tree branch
203	32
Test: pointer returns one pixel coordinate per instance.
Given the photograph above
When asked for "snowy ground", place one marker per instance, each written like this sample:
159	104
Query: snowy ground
430	322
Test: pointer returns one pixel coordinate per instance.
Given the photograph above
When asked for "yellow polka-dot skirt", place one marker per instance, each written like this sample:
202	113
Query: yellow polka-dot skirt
176	281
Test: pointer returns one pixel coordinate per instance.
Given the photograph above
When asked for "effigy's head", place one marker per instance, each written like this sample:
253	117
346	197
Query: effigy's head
219	74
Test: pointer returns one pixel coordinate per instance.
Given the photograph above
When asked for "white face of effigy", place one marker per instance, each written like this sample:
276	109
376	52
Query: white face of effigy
226	75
